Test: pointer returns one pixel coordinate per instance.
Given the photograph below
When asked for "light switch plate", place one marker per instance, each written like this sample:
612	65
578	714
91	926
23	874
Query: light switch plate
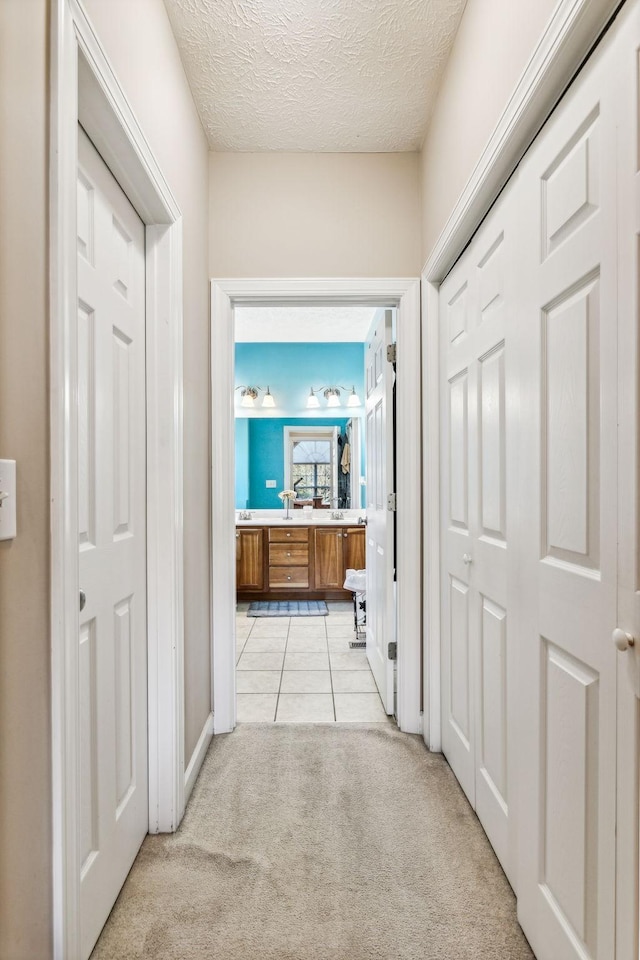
8	504
270	484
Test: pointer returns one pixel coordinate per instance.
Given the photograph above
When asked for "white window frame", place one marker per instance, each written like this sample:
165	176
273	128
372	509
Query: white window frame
292	433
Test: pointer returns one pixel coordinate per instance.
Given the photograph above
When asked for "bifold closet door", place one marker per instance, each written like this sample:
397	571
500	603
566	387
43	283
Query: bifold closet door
477	687
532	592
566	337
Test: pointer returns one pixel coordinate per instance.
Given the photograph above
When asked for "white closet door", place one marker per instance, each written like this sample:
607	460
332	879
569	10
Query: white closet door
477	661
112	547
567	335
380	532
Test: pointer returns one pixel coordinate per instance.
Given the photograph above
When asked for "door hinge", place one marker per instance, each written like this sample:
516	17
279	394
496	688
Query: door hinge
392	651
392	352
392	502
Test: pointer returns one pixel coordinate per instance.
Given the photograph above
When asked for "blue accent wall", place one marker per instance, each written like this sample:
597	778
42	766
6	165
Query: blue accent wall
242	464
266	456
291	369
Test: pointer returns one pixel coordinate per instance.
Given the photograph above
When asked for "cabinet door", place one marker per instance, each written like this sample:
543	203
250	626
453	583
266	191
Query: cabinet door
249	560
328	559
354	546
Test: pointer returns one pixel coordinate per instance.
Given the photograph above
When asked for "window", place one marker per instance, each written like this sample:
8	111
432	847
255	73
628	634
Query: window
310	462
311	469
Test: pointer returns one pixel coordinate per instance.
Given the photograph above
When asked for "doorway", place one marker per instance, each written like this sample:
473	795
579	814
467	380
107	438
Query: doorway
86	92
404	296
300	401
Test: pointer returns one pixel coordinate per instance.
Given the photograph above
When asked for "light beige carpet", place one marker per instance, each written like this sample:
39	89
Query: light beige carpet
314	842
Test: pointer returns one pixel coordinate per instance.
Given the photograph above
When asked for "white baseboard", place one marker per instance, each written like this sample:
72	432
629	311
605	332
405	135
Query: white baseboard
198	755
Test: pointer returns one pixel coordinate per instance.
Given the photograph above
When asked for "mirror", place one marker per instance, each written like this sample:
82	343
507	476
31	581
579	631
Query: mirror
311	466
308	455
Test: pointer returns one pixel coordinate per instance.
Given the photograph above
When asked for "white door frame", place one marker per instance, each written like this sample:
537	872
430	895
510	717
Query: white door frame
405	295
85	89
574	27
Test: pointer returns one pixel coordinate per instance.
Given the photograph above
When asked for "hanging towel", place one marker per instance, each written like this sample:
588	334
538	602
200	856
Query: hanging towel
345	461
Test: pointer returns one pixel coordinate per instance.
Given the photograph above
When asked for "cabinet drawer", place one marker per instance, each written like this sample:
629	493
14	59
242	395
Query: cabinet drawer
282	535
288	554
288	577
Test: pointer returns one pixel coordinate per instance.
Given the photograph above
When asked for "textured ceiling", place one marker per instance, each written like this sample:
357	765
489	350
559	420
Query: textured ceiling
302	324
314	75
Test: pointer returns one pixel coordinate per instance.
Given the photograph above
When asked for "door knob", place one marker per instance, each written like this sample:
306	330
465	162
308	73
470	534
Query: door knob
467	558
83	599
622	640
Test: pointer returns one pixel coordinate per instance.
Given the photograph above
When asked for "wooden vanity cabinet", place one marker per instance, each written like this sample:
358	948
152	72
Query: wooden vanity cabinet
289	558
287	563
354	548
338	549
249	558
329	573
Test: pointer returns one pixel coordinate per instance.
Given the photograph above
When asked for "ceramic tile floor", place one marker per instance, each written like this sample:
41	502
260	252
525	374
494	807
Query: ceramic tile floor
301	670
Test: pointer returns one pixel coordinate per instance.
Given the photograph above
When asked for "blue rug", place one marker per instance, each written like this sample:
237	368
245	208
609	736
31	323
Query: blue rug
288	608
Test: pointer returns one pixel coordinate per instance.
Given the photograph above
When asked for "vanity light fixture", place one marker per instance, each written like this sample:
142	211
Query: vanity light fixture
332	396
249	395
354	399
267	400
312	400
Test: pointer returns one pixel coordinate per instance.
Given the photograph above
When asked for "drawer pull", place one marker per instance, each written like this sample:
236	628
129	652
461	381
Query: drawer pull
288	534
289	553
288	578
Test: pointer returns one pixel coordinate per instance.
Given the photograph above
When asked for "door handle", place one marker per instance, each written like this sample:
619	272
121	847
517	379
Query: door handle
83	600
622	640
467	559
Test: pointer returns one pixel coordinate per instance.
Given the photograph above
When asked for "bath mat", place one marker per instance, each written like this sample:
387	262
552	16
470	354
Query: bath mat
288	608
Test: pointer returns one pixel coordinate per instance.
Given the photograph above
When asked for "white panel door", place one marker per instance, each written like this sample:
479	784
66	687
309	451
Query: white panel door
112	539
380	527
478	665
627	58
568	385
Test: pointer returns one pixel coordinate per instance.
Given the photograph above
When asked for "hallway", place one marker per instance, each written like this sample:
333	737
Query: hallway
318	841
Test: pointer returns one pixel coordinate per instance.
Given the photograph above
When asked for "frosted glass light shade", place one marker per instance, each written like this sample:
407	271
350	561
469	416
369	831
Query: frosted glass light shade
354	399
333	398
267	400
312	400
248	397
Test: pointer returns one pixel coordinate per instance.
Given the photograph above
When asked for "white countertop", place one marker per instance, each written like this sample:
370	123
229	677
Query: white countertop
349	520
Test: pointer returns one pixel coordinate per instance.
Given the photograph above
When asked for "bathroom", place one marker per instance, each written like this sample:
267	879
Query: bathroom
300	429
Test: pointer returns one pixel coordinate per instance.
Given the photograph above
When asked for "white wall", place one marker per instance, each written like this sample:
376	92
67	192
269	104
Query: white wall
314	215
495	40
140	45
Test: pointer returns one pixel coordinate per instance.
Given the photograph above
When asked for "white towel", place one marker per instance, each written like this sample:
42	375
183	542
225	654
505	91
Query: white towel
345	461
